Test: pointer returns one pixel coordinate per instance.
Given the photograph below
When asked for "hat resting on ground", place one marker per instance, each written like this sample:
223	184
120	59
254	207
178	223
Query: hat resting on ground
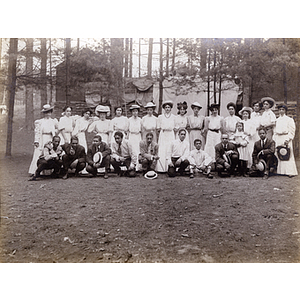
196	104
246	108
47	107
283	152
150	175
150	105
268	99
97	158
261	165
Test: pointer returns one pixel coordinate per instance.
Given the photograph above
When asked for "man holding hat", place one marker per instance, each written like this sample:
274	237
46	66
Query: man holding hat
263	155
98	161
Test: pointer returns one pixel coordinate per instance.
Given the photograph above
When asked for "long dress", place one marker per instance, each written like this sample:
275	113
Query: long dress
250	131
166	126
118	124
149	124
196	127
102	128
241	138
66	124
181	122
81	126
135	136
230	125
256	118
214	126
285	130
44	130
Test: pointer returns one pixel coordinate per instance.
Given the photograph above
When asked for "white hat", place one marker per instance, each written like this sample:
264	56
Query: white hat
47	107
261	165
97	158
102	109
196	104
134	106
246	108
150	105
150	175
167	102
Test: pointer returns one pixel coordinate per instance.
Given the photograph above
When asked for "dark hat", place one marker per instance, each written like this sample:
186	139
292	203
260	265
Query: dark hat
283	152
268	99
214	105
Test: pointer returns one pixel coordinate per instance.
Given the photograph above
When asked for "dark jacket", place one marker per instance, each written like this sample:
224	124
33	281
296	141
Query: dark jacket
144	149
220	151
79	152
103	148
269	148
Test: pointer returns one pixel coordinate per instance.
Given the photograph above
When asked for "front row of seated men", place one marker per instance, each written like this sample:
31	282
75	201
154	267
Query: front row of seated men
71	157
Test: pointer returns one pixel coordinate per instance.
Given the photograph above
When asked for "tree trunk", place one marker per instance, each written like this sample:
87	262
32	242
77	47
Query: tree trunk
173	56
50	72
203	55
130	59
215	77
78	44
284	79
149	64
43	73
68	53
126	56
160	77
2	91
167	58
12	78
29	109
139	57
208	83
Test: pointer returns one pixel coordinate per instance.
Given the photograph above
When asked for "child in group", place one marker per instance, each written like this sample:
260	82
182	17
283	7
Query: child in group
241	140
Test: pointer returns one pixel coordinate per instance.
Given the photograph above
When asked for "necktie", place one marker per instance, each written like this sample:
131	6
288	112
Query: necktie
263	144
119	149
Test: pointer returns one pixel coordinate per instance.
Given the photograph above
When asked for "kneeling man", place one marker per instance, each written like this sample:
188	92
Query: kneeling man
98	146
123	156
148	153
227	156
178	155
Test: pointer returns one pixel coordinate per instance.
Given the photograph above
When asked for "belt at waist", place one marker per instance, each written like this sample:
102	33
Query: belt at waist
195	129
134	132
50	133
214	130
167	129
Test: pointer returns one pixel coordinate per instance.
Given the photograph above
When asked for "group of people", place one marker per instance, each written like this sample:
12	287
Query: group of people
255	143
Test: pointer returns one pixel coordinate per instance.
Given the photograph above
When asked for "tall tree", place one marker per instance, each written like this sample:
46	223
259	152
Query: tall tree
12	77
167	57
126	57
29	115
149	64
173	56
68	54
161	78
43	73
130	59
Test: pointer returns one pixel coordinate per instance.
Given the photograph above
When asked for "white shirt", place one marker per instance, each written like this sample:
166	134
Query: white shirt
199	158
179	149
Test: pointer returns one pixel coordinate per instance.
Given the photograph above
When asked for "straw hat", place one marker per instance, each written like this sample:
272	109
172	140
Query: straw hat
150	105
97	158
150	175
283	152
261	165
101	109
47	107
196	104
268	99
167	102
134	106
246	108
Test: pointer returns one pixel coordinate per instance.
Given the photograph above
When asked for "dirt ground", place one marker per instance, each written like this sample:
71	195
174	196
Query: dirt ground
220	220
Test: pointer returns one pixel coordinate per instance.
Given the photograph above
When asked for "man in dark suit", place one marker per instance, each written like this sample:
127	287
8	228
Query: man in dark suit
98	146
74	157
227	156
264	149
148	153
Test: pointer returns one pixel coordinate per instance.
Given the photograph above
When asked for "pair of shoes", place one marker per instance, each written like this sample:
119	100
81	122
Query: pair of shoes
210	176
105	176
65	176
33	178
192	176
266	176
91	175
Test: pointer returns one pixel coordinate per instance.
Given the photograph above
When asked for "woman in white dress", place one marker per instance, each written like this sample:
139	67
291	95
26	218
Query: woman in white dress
181	120
135	132
284	134
230	121
250	131
118	123
149	122
165	127
268	118
102	125
213	127
256	117
195	126
44	130
81	127
66	125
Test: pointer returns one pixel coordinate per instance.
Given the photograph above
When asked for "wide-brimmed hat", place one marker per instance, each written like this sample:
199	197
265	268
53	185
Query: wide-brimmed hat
101	109
214	105
196	104
134	106
97	158
283	152
150	105
167	102
150	175
47	107
268	99
227	158
246	108
261	165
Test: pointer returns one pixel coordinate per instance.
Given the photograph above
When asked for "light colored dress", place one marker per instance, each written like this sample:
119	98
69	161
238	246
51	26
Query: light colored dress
256	118
66	124
181	122
81	127
230	125
119	124
166	126
214	126
268	119
102	128
149	124
250	131
135	136
196	127
285	131
241	138
44	130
